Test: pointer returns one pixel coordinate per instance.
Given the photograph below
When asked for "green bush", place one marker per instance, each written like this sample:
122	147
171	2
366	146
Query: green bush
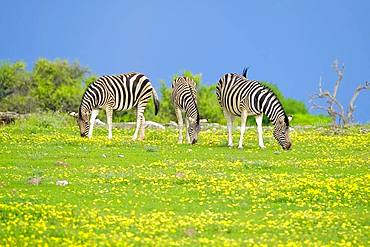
51	85
15	86
59	86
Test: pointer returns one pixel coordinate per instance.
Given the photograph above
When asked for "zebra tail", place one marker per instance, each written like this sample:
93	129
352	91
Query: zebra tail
245	71
156	101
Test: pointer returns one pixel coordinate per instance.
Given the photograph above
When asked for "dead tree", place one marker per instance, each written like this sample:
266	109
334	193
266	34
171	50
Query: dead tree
333	107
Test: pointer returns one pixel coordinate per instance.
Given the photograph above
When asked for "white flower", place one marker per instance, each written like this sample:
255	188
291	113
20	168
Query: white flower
61	183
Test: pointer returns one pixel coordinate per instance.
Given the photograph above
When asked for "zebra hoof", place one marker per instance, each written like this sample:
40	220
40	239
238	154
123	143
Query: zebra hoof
262	146
240	147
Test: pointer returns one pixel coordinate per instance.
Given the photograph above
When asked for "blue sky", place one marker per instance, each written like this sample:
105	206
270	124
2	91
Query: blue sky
289	43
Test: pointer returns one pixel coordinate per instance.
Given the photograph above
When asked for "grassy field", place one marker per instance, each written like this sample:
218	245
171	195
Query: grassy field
157	192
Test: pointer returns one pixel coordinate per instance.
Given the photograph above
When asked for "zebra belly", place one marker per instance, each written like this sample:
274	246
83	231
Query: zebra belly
123	108
237	109
250	111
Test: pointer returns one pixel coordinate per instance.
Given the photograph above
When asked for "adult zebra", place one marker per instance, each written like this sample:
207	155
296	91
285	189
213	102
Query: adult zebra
117	92
239	96
184	99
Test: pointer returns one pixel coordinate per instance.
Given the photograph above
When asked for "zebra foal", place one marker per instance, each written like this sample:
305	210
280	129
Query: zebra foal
120	93
184	99
239	96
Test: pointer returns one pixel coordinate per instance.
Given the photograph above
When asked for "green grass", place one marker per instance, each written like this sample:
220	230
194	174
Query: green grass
157	192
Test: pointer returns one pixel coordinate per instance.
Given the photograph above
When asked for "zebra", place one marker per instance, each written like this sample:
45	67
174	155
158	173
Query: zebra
239	96
184	99
116	92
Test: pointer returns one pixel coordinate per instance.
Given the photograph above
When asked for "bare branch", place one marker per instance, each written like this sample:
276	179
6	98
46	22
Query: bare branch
320	85
331	100
317	106
351	106
338	104
334	108
339	72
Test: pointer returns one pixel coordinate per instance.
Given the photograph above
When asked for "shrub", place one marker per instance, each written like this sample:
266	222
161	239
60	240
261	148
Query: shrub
59	86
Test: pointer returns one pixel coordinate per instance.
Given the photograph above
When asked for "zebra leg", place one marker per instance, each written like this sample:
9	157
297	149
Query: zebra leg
139	119
259	130
230	118
109	113
142	129
94	114
243	120
180	123
187	129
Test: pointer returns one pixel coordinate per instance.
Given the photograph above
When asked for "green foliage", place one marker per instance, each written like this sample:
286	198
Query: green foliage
167	111
293	106
59	85
209	107
51	85
15	84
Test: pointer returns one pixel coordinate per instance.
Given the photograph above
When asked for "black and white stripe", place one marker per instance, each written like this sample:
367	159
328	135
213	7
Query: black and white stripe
184	99
239	96
120	93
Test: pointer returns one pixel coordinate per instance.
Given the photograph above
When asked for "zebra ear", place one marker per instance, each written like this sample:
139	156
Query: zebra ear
290	118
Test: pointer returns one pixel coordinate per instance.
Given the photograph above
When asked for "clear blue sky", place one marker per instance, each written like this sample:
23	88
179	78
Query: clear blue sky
289	43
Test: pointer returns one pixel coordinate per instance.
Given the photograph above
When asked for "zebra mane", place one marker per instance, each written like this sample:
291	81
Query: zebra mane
286	120
80	112
193	95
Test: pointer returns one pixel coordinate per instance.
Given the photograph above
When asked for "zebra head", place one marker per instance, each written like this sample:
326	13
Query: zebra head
281	132
83	123
194	129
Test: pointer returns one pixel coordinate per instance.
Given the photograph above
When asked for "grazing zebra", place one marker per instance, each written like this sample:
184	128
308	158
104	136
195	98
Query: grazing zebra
239	96
184	99
118	92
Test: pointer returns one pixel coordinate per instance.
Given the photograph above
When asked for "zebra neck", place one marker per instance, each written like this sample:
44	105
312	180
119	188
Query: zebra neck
84	110
87	105
276	112
193	113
